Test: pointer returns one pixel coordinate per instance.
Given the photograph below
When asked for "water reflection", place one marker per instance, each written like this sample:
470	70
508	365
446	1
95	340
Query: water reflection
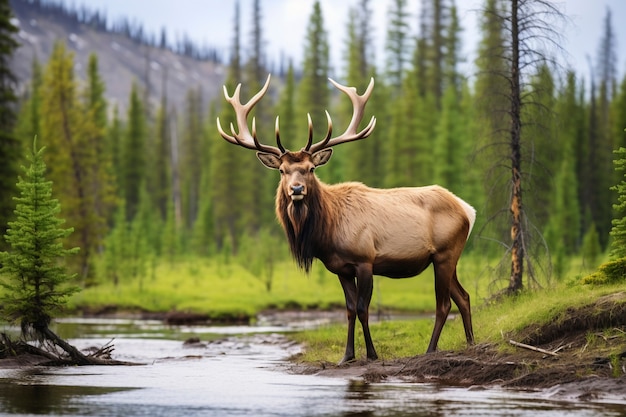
431	400
18	398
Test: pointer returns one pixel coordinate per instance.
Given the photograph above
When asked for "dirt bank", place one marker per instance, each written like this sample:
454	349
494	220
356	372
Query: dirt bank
581	354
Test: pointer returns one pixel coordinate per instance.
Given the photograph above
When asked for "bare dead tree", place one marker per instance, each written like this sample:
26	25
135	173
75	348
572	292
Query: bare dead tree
531	38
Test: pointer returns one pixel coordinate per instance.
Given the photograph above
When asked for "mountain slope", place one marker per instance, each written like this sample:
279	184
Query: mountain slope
121	60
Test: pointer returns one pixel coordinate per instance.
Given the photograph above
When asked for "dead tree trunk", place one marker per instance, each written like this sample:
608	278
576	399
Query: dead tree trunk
516	208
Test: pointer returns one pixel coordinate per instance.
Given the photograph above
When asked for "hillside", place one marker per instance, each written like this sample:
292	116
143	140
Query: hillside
121	60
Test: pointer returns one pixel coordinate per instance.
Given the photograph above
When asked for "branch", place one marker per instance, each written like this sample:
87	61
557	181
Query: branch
533	348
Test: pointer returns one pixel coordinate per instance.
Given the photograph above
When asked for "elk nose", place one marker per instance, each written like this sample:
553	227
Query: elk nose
297	189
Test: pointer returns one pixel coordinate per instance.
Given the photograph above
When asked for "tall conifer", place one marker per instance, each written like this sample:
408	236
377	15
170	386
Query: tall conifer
133	154
10	149
35	279
74	139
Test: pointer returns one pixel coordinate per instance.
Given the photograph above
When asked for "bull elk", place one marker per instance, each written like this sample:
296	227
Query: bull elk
357	231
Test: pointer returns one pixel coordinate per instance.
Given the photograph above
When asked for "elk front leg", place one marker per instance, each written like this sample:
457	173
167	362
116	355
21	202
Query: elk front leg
365	286
348	284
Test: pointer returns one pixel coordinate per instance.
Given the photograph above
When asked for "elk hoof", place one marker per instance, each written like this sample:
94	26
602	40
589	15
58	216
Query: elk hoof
346	360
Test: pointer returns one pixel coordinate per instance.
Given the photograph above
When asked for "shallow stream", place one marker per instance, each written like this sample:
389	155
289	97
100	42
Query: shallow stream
238	374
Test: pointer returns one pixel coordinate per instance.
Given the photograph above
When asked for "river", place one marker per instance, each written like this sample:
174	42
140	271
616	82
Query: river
240	373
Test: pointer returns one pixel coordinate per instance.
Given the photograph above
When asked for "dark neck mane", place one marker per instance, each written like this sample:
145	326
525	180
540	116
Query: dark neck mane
306	225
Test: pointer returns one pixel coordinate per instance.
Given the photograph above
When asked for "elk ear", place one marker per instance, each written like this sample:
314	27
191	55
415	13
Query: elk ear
321	157
269	160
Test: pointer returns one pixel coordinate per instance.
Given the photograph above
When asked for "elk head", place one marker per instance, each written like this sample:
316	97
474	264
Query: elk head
296	168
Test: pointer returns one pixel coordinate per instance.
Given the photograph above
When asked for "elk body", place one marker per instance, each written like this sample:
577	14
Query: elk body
357	231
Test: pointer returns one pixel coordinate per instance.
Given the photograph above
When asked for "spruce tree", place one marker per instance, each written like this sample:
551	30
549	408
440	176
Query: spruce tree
314	93
286	111
363	163
33	273
72	126
225	158
34	277
600	140
10	149
191	156
161	187
133	154
618	232
397	44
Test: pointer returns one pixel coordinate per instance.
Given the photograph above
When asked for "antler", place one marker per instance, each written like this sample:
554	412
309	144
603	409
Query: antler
351	134
244	137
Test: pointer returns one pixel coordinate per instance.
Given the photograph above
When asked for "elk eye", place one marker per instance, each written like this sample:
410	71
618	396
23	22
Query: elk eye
281	171
312	169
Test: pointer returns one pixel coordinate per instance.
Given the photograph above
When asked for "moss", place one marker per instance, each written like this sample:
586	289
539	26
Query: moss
611	272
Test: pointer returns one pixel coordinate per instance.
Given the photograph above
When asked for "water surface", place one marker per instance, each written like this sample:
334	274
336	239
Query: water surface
239	376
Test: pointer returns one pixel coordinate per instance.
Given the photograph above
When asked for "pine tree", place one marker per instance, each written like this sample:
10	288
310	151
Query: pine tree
71	127
564	204
601	142
618	232
134	151
191	156
451	144
36	281
363	163
114	145
259	184
116	248
397	44
29	117
161	190
490	104
10	149
227	186
540	125
286	111
101	173
314	92
618	115
33	273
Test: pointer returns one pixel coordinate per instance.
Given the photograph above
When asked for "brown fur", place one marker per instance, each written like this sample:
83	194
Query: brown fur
358	231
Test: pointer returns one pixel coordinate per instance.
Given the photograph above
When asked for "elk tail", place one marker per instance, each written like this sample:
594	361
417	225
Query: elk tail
471	215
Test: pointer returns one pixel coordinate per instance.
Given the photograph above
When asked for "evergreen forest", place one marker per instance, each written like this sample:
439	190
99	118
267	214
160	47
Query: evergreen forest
526	140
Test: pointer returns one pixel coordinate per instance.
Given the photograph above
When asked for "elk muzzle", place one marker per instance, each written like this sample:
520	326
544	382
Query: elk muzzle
297	192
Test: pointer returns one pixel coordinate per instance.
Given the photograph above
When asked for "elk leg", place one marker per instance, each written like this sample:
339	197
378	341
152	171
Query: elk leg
462	300
443	275
365	287
348	284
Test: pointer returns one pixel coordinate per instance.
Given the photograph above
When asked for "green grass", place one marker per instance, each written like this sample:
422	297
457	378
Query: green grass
212	287
206	286
493	323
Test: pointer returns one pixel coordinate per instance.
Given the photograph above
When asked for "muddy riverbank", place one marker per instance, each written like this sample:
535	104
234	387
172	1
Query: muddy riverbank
580	355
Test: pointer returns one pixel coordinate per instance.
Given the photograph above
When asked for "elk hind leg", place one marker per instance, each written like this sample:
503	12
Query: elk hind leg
462	299
443	279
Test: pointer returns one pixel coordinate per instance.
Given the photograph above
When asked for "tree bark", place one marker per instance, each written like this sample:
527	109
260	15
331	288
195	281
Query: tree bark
516	208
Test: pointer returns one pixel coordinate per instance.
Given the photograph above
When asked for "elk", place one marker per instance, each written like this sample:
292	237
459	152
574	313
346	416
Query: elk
357	231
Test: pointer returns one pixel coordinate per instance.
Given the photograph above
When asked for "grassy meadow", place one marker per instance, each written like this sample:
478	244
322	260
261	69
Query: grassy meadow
494	323
226	289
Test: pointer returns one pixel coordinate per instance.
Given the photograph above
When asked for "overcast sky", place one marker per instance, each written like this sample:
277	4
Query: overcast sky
285	21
